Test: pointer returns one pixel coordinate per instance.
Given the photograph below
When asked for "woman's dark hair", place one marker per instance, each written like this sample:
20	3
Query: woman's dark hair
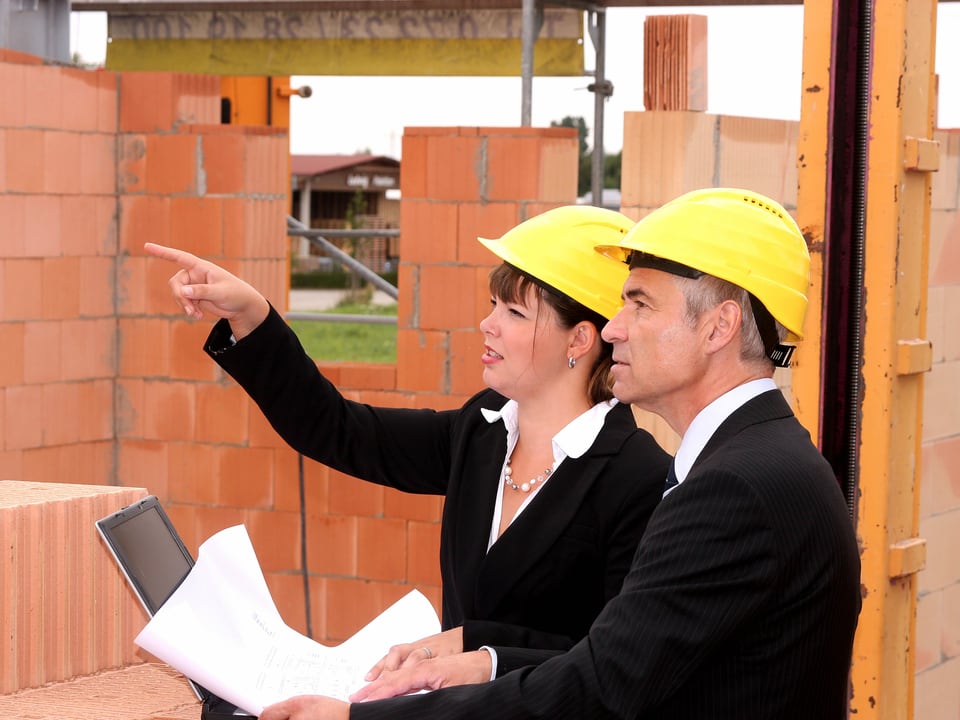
511	285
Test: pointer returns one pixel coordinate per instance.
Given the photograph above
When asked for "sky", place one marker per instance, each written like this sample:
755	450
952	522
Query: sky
754	66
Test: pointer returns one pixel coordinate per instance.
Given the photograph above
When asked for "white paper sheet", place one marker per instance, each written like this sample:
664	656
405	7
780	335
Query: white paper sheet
222	630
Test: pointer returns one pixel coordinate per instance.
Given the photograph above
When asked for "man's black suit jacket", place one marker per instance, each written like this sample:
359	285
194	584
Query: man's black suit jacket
538	589
741	602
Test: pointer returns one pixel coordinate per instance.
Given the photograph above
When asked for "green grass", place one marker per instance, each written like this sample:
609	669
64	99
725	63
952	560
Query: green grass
350	342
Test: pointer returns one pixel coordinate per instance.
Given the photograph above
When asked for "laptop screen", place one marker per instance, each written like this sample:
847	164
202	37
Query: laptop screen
148	550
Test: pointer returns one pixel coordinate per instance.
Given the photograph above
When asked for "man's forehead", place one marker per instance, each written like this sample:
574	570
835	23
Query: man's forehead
648	280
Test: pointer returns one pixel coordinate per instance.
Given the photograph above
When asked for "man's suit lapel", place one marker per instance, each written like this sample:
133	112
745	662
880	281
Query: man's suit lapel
770	405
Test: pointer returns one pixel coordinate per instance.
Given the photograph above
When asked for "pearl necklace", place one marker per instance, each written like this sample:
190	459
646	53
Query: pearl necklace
527	486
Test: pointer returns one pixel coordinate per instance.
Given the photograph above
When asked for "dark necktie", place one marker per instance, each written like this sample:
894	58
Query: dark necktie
672	481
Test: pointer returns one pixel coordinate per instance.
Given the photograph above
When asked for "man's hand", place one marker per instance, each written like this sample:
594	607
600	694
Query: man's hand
461	669
307	707
201	287
445	643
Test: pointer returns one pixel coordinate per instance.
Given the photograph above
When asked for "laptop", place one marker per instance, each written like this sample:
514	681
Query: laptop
155	561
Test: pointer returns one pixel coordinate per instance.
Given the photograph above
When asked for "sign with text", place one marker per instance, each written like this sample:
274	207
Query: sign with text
343	42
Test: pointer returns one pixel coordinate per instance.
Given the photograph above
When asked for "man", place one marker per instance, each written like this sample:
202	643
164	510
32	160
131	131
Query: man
742	600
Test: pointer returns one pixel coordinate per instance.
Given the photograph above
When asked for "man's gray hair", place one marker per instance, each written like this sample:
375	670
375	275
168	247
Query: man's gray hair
707	292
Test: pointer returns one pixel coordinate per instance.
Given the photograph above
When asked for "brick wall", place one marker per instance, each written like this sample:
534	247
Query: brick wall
938	595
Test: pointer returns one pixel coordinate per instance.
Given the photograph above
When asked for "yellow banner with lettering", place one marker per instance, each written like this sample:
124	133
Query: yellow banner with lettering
340	42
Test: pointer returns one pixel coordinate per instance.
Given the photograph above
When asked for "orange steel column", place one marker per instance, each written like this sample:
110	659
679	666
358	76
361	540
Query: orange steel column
900	156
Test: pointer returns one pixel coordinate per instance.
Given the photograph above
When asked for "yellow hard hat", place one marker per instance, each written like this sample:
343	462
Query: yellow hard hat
737	235
557	249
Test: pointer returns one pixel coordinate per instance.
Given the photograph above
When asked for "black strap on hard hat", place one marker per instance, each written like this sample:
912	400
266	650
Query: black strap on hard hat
638	259
779	353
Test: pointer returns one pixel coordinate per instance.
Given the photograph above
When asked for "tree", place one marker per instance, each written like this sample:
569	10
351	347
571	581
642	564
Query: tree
611	163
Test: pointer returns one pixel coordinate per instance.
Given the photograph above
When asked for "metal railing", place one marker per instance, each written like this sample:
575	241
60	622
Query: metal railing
295	228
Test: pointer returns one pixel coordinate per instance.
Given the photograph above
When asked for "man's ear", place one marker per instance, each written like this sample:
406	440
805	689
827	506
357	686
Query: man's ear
725	321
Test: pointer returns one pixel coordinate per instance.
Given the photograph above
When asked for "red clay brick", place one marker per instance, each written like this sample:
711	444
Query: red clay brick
42	350
413	175
13	241
221	414
332	545
79	95
3	160
146	102
75	214
131	394
25	160
421	360
455	168
266	164
408	283
42	225
196	99
131	169
193	476
92	346
12	342
559	162
246	477
61	155
10	531
316	487
88	463
350	604
377	376
108	109
466	371
211	520
53	575
276	539
171	164
513	168
144	464
223	162
350	496
381	549
318	609
144	218
144	347
44	106
429	231
448	299
286	486
408	506
98	164
197	223
287	593
187	360
12	80
423	553
61	287
168	410
29	670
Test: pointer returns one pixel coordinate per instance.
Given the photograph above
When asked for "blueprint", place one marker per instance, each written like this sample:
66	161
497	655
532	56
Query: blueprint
222	630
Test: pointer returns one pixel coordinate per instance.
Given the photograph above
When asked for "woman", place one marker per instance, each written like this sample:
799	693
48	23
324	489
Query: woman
548	483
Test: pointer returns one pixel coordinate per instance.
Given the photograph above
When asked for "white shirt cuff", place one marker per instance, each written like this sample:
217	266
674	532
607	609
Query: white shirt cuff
493	660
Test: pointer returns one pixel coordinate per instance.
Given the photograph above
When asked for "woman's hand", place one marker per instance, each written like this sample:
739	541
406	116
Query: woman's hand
307	707
461	669
448	642
200	287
